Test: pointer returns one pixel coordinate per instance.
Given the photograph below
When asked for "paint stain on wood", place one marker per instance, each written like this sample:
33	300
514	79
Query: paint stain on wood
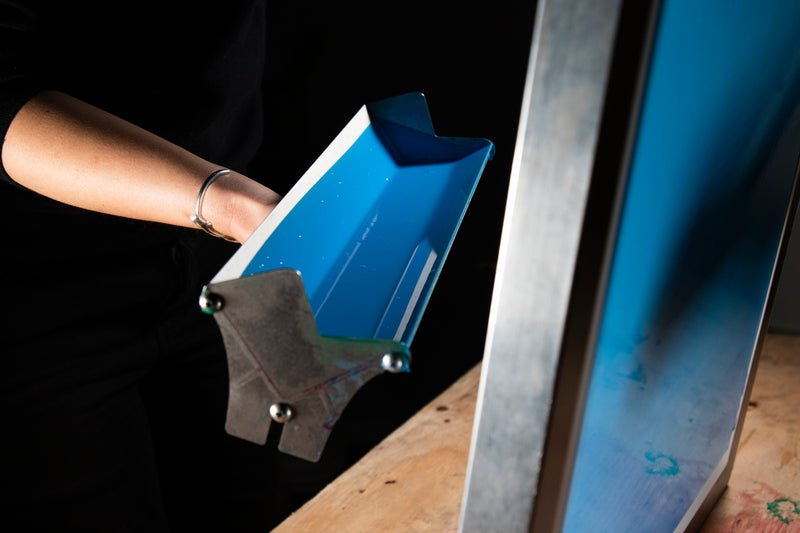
784	509
786	458
765	510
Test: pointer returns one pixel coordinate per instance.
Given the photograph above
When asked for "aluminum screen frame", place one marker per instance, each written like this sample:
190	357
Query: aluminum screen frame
577	118
578	121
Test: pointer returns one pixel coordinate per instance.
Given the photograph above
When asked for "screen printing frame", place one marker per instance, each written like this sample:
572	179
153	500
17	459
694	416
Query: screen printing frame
579	116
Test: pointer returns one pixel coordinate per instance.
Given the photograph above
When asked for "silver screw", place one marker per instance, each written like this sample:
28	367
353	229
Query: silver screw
280	412
394	362
209	302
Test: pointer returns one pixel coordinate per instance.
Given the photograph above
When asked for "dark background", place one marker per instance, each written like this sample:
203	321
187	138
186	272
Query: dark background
323	63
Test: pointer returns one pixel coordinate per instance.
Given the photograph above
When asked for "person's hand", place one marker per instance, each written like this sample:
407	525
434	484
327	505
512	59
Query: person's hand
236	205
72	152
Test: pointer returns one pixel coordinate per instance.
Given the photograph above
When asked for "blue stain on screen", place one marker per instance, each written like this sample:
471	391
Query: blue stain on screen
371	235
710	182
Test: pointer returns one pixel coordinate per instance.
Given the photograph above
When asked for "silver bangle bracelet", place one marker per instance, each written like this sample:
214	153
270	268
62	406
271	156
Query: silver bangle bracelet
197	218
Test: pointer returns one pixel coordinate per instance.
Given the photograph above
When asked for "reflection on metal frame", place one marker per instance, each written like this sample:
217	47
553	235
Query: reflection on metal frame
537	318
644	227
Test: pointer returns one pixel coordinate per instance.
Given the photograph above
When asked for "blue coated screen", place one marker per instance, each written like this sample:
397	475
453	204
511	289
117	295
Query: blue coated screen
709	185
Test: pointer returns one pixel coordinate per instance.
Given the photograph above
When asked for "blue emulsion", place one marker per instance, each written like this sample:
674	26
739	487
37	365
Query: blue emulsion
409	109
413	220
662	465
316	231
370	237
409	146
708	189
407	292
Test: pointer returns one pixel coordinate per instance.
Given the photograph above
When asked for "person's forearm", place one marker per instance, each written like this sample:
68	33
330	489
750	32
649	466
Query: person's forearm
72	152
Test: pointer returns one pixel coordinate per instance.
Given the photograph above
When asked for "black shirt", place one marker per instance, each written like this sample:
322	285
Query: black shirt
188	71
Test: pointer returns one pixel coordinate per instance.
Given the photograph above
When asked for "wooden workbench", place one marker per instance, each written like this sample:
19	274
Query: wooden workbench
414	480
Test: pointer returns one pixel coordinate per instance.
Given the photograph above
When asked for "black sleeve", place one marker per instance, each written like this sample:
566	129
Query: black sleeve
22	61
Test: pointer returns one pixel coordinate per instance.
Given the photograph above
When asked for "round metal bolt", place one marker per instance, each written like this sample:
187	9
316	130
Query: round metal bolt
280	412
209	302
394	362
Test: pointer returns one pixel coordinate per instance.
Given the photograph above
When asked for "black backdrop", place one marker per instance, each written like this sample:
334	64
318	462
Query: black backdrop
323	63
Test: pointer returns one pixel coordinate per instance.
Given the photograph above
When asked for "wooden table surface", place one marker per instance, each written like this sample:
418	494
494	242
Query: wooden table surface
414	480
